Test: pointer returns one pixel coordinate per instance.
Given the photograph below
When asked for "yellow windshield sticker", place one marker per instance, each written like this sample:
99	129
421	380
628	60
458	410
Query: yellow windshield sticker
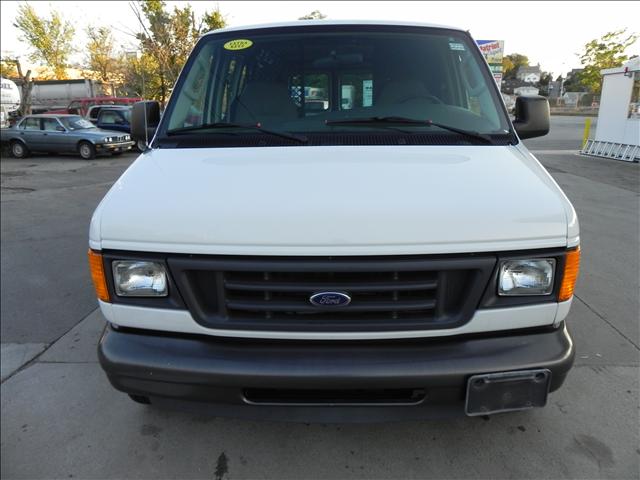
239	44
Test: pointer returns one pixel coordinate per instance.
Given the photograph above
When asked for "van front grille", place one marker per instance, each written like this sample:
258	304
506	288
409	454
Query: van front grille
386	293
374	295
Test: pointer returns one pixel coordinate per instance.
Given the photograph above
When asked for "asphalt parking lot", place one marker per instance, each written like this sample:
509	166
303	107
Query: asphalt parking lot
61	419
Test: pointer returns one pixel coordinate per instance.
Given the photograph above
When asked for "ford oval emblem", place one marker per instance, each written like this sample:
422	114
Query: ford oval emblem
330	299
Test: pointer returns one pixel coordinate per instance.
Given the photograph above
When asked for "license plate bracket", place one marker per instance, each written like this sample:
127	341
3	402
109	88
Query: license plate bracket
507	391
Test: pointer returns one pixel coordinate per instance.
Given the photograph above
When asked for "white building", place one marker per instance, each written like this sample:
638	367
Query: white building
529	74
526	91
618	131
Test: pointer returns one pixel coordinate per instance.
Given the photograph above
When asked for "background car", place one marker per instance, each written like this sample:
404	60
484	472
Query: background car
63	134
114	118
94	110
118	118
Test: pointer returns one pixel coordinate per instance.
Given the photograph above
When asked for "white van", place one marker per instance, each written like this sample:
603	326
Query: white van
400	255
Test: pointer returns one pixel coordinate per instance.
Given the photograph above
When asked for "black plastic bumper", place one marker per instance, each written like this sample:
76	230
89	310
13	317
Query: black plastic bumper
217	372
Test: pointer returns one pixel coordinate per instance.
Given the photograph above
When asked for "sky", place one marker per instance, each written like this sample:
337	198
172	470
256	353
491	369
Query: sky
549	33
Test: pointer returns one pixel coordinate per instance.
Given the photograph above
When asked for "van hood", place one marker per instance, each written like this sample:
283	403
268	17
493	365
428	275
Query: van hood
341	200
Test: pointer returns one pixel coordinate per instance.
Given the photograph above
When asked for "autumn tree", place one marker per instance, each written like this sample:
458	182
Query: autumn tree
607	51
8	68
50	39
139	78
512	62
24	80
212	20
167	38
573	84
101	58
315	15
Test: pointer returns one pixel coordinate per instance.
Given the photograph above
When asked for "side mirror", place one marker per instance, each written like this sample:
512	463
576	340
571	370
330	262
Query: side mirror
145	117
532	116
61	128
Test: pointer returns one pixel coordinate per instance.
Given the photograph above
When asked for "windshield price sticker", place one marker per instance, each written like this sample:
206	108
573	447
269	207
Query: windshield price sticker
239	44
457	46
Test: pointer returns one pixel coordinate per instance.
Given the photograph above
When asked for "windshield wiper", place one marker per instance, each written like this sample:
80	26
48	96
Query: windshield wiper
251	126
388	121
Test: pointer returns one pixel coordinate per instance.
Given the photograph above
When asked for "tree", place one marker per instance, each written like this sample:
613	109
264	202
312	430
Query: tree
573	84
315	15
101	59
213	20
168	37
545	78
8	68
24	80
50	39
512	62
604	52
139	76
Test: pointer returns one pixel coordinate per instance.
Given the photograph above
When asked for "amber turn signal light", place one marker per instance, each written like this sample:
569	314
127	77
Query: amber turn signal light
570	274
97	275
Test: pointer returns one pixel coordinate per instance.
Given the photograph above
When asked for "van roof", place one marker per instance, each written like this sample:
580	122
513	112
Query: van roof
299	23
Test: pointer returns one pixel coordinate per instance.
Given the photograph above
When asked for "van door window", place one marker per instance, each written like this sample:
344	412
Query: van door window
190	110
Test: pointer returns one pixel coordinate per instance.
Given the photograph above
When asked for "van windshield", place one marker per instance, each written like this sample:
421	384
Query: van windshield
334	80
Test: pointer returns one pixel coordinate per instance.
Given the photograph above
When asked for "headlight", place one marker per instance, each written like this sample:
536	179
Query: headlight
526	277
107	139
139	279
127	137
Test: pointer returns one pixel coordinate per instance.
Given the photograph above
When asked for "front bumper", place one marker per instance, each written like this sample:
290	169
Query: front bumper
217	373
114	147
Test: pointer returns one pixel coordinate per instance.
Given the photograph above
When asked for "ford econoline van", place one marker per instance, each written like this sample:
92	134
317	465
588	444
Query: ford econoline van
392	252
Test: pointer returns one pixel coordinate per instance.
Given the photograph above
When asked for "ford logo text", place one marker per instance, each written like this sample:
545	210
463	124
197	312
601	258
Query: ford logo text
330	299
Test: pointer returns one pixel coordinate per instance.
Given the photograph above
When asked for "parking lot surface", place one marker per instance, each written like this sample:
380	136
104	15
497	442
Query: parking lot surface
61	419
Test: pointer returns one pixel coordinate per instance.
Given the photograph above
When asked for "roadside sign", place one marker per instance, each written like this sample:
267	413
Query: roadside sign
493	50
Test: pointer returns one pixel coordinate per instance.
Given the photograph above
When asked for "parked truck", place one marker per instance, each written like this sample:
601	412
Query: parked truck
58	94
73	96
10	95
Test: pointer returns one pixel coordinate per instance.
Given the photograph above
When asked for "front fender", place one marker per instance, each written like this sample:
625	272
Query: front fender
92	141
